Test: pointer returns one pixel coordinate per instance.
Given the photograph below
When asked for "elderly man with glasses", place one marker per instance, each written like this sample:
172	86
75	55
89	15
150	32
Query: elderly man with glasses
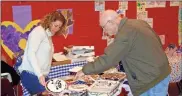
140	50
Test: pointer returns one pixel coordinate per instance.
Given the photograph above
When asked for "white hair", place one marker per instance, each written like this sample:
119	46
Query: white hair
108	15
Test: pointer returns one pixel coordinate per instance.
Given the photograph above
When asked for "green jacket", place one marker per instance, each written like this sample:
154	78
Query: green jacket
140	50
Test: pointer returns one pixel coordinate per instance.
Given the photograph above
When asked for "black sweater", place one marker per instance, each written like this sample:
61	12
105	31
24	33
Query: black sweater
5	68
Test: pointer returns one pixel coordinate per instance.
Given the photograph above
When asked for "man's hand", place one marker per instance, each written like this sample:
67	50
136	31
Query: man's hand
42	80
79	75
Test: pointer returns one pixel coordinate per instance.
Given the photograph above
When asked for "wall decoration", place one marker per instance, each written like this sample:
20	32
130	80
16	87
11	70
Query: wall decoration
174	3
160	3
141	5
152	4
99	5
22	15
13	37
68	14
123	5
142	15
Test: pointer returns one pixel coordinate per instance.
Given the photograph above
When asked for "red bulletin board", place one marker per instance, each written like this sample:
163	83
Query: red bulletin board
86	30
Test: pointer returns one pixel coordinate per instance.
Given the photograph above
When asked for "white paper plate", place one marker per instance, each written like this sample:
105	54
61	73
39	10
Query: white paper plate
56	85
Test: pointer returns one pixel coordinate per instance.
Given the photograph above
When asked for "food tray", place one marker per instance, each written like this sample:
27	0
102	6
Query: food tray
118	76
103	88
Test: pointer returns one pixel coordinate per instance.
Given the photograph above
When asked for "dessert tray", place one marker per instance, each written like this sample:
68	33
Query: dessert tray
103	88
78	87
90	79
117	76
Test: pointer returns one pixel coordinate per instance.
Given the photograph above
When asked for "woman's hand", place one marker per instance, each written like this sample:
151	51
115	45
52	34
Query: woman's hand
42	80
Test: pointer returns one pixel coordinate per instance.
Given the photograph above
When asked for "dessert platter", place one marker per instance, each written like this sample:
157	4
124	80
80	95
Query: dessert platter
103	88
78	87
90	79
118	76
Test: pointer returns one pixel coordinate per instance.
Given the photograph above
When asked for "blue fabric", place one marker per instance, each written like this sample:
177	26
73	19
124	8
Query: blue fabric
31	83
120	67
161	89
18	63
79	82
126	82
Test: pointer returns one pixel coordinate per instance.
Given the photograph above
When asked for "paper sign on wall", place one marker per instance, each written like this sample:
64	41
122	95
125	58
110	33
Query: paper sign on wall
152	4
142	15
162	37
160	4
99	5
141	5
149	21
174	3
123	5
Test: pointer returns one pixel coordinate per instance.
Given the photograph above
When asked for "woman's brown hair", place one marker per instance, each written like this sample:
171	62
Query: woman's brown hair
52	17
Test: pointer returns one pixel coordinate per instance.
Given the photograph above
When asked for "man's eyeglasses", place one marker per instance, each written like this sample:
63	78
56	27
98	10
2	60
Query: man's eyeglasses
103	27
